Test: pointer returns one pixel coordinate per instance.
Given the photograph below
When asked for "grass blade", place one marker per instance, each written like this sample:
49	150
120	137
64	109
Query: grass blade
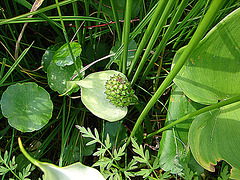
14	65
154	37
156	16
200	32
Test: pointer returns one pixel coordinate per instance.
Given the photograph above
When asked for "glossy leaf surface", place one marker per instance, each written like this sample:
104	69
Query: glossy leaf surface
27	106
58	76
212	74
62	57
48	55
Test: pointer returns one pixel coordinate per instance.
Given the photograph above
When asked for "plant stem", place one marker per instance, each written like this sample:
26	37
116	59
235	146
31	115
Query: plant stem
12	172
154	38
156	16
63	132
98	15
32	160
200	32
65	35
193	114
166	37
77	23
115	15
126	30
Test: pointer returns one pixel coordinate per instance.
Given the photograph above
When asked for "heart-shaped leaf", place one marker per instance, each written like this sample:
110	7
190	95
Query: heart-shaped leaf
212	72
94	98
74	171
214	136
27	106
62	57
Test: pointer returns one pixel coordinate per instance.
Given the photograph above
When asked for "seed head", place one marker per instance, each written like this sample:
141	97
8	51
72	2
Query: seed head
119	91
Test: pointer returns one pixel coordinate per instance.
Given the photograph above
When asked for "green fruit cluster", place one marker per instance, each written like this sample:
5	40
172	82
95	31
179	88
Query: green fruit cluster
119	91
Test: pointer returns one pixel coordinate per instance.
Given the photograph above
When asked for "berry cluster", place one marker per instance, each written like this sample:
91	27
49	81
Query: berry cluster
119	91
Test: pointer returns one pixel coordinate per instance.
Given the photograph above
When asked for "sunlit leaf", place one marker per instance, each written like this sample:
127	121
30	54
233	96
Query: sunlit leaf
212	72
214	136
48	55
94	98
74	171
62	57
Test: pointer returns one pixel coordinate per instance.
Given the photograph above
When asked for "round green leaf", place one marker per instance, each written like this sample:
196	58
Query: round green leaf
212	71
214	136
62	57
48	55
58	76
94	98
27	106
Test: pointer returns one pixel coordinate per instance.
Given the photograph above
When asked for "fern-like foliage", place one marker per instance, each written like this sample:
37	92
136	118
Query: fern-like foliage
7	165
109	161
108	165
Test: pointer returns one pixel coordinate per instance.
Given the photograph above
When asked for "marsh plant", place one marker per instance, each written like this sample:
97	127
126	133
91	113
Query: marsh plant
120	89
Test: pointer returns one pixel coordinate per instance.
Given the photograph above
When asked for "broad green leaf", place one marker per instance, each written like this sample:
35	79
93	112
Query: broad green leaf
27	106
58	77
174	142
214	136
94	98
212	72
62	57
131	47
74	171
48	55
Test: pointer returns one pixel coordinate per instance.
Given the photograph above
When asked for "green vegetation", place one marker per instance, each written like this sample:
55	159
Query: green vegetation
119	89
